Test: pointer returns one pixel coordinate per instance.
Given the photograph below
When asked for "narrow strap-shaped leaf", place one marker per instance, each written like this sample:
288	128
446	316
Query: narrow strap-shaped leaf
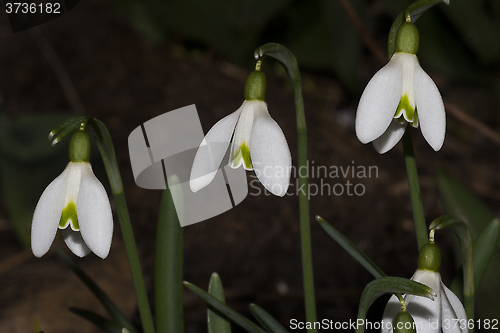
217	323
391	285
225	310
169	268
464	236
108	304
459	202
415	9
484	247
99	321
352	249
266	320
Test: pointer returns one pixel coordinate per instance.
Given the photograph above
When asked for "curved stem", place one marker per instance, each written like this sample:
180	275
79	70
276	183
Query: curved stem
287	59
416	200
106	149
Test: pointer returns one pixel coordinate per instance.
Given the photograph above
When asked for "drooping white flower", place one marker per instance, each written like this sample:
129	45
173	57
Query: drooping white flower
398	94
77	203
445	312
258	144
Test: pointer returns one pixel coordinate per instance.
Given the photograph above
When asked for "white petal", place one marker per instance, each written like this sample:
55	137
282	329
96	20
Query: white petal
392	308
430	109
74	241
94	213
390	137
453	309
379	101
47	215
425	312
270	153
211	151
242	133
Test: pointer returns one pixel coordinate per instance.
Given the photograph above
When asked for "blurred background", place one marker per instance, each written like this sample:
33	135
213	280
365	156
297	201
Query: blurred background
125	62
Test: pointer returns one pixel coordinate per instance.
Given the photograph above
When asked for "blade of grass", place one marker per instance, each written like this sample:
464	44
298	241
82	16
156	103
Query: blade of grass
266	320
101	322
217	323
225	310
108	304
352	249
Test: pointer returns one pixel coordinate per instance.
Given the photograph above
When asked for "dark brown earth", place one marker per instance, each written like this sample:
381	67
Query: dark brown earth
124	80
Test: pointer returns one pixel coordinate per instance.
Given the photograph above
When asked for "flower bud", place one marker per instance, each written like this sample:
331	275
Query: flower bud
429	258
79	147
407	38
403	323
255	86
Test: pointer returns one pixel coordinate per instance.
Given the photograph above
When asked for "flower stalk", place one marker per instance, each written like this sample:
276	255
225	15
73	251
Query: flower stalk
287	59
106	149
413	184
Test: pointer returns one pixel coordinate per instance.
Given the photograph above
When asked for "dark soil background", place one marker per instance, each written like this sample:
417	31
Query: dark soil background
124	80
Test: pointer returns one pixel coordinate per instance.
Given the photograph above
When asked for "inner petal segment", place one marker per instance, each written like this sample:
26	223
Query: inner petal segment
68	216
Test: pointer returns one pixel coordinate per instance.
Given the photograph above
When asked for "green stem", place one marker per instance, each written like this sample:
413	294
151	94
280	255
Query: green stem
416	200
168	269
105	145
134	263
287	59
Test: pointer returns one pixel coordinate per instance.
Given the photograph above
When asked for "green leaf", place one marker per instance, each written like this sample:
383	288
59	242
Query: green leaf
415	9
217	323
465	238
108	304
266	320
352	249
389	285
169	268
225	310
459	202
484	247
101	322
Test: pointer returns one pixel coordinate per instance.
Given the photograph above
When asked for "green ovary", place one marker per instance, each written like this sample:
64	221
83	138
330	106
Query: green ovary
410	113
69	215
242	153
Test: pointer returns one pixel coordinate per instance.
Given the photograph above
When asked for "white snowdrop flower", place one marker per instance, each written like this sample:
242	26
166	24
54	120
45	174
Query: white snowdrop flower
77	203
445	312
398	94
258	143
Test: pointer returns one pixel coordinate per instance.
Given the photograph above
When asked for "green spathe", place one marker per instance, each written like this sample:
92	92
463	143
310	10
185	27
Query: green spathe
79	147
243	153
255	86
403	323
69	215
407	38
429	258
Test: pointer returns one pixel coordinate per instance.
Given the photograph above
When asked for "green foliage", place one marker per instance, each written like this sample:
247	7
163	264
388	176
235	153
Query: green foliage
118	318
224	310
391	285
216	322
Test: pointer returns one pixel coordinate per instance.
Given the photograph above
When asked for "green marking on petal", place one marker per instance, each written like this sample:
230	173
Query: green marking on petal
242	153
406	111
69	215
